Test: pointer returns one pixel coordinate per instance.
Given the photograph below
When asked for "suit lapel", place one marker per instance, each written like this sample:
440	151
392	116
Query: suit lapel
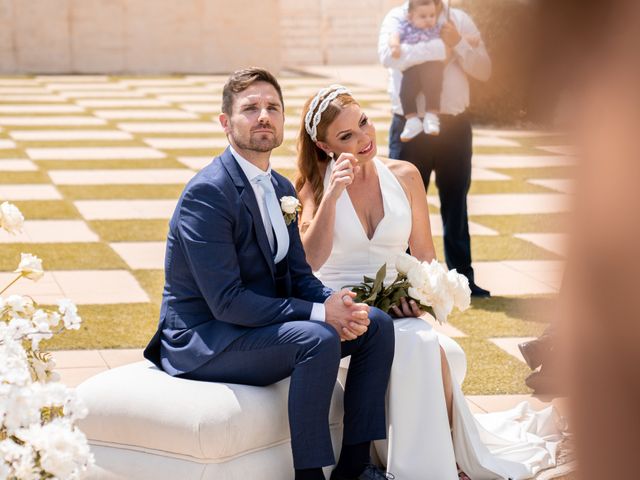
249	199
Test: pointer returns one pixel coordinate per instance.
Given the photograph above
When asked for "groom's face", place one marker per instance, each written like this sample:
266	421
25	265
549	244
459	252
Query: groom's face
257	118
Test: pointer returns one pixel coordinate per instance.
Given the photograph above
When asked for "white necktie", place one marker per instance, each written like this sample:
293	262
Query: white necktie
275	215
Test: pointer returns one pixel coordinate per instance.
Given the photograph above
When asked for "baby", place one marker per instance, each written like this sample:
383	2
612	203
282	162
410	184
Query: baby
421	25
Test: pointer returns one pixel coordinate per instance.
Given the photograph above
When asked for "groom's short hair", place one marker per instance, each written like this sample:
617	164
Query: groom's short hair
241	80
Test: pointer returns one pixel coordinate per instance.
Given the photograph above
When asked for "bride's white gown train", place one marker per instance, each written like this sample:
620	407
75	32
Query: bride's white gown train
514	444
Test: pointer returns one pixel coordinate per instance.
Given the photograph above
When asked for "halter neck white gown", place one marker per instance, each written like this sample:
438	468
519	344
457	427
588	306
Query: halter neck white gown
515	444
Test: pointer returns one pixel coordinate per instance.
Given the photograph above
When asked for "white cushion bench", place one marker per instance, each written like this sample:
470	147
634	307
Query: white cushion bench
144	424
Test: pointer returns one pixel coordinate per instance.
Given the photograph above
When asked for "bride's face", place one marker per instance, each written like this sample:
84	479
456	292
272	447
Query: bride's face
351	132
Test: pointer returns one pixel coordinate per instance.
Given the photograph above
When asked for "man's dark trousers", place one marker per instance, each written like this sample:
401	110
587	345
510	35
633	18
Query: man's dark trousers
310	353
449	156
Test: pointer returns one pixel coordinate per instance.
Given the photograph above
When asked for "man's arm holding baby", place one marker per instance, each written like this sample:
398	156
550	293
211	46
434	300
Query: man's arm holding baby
463	37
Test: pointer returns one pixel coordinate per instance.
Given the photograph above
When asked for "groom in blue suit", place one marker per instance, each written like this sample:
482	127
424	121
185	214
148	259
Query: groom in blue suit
241	305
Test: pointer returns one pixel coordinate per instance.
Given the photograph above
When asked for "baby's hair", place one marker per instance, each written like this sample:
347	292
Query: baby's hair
413	4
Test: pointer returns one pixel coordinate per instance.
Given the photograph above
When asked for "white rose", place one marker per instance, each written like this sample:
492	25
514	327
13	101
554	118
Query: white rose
417	276
459	287
289	205
418	295
11	218
30	267
442	308
405	262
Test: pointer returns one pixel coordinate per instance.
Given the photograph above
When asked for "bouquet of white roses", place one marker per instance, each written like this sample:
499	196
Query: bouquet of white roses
38	435
431	285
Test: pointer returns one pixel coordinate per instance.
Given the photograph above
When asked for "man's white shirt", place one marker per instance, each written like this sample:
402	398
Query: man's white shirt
251	172
467	60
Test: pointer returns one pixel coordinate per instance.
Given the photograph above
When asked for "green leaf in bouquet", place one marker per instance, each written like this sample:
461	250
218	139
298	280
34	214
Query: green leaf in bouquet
382	273
397	295
371	299
368	279
384	304
361	295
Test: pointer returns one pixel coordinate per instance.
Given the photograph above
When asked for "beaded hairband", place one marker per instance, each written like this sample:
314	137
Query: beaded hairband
327	95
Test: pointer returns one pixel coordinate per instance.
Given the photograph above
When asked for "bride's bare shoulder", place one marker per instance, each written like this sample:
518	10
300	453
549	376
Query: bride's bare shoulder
404	171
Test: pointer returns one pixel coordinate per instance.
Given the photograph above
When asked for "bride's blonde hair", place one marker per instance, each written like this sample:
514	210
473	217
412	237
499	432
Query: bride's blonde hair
311	157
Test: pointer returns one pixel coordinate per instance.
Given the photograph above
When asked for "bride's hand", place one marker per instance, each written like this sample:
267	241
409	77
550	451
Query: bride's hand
345	168
408	308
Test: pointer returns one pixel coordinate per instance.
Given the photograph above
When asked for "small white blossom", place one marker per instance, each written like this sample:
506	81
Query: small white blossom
14	366
35	445
19	460
22	407
4	470
19	327
30	267
62	449
69	313
11	218
19	304
54	319
41	328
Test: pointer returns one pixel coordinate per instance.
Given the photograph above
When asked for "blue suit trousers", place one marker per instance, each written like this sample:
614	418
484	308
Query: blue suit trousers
310	352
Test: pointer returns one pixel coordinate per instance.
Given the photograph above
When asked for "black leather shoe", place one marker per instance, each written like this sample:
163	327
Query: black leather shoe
479	292
371	472
534	353
545	382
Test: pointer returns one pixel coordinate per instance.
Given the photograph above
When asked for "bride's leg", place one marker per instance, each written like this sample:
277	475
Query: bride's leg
448	396
446	383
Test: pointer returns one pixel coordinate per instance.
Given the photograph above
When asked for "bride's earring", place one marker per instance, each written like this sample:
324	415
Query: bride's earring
331	155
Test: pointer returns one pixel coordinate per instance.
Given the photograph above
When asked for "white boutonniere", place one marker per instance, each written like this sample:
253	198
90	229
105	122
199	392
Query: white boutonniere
290	207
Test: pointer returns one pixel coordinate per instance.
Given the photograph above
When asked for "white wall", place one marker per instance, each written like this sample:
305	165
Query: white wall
332	32
138	36
185	36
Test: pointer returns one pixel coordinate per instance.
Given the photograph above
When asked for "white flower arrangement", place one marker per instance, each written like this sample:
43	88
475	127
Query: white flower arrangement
429	283
290	207
39	438
11	218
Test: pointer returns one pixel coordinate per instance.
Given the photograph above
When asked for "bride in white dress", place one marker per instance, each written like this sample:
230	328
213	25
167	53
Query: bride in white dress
360	211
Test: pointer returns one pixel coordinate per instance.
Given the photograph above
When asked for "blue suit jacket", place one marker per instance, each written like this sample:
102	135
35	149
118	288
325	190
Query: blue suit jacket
220	278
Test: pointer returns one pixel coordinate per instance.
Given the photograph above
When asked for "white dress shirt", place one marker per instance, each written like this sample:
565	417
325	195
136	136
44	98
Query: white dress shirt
467	60
251	172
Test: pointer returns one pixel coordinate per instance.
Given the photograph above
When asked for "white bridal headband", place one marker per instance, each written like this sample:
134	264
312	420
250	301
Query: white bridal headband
327	95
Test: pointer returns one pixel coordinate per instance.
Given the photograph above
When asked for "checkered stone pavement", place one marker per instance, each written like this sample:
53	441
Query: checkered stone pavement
96	164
